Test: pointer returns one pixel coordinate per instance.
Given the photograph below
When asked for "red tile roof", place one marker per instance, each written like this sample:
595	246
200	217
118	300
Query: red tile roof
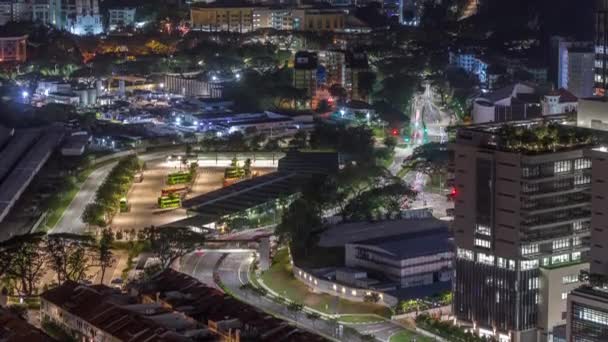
100	307
204	303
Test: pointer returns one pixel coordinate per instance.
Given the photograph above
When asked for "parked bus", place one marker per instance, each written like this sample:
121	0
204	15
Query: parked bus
165	202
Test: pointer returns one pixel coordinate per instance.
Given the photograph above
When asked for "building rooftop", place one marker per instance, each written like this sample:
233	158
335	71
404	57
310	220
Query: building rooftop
411	244
355	232
202	303
17	329
537	136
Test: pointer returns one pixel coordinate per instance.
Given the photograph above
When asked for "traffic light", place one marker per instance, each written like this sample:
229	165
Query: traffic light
395	132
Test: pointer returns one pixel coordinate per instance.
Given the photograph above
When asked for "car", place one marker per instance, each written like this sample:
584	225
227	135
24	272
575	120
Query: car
117	281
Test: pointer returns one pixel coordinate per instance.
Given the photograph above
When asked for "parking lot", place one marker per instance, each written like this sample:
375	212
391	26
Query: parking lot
143	196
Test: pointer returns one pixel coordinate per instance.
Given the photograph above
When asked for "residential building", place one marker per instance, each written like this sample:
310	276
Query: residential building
521	221
319	20
15	10
356	64
17	329
472	62
601	47
522	101
334	63
410	259
225	316
13	49
191	84
121	18
80	17
305	72
41	12
101	313
219	17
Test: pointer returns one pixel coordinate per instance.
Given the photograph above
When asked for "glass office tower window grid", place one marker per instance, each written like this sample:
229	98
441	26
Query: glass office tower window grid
589	324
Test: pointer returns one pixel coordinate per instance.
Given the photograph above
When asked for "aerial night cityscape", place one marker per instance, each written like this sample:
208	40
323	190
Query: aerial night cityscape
304	170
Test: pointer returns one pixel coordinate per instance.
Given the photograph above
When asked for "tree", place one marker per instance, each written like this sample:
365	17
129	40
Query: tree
390	142
295	308
27	264
430	159
313	316
298	224
372	298
366	82
300	140
171	243
68	255
103	252
94	214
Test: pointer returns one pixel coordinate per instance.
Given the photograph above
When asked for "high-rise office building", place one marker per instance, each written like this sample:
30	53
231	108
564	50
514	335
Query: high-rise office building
588	305
522	212
601	47
573	66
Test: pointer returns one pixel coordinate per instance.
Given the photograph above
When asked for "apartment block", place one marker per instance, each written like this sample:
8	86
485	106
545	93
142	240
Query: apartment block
305	72
521	225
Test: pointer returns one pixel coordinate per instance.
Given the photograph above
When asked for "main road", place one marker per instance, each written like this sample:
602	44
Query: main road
71	220
232	269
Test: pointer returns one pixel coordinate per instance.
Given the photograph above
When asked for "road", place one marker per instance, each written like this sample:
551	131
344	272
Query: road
71	220
233	271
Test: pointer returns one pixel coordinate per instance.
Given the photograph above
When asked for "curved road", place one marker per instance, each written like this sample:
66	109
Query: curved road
233	271
71	220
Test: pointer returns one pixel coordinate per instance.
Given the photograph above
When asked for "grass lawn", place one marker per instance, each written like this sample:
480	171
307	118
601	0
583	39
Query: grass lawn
407	336
280	279
359	319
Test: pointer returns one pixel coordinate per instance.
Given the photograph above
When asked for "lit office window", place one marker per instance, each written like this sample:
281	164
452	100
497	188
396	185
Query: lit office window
570	279
487	259
533	283
561	243
528	264
564	295
582	163
465	254
529	249
558	259
483	230
562	166
576	256
482	243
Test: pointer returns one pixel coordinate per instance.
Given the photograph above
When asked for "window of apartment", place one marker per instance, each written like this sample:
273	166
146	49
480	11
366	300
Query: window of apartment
482	243
564	295
465	254
576	241
558	259
576	256
483	230
562	166
582	163
533	283
487	259
528	264
570	279
561	243
529	249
